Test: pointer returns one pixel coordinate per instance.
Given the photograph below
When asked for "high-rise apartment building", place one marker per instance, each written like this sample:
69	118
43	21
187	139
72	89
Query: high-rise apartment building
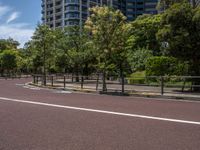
61	13
135	8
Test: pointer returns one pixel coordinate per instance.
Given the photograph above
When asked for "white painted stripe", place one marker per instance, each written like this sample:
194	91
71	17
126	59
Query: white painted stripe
101	111
62	92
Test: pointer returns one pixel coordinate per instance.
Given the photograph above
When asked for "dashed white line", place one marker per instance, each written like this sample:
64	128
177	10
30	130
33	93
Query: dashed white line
101	111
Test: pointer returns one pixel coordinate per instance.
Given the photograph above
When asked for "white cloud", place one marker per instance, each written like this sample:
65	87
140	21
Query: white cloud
12	17
18	32
21	32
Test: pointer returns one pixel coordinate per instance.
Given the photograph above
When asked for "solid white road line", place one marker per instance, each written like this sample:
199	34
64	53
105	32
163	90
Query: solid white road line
101	111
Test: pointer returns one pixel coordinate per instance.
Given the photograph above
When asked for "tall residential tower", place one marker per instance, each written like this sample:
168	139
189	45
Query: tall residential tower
61	13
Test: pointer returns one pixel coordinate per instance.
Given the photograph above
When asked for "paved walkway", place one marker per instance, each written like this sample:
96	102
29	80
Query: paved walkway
139	90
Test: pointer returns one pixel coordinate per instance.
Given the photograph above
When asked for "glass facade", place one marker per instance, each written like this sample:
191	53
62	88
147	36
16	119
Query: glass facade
61	13
135	8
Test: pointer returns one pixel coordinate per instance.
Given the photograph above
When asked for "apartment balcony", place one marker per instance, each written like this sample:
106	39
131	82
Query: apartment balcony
49	2
60	1
58	20
49	9
49	22
42	5
72	11
72	18
49	15
58	6
72	3
58	13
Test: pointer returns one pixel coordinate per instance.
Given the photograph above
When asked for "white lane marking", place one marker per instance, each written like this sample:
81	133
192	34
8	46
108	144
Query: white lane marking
62	92
101	111
31	88
18	84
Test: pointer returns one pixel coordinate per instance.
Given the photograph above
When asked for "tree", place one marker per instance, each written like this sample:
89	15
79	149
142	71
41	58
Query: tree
104	24
161	66
33	58
143	33
43	42
22	63
180	31
138	59
76	46
61	63
8	59
120	47
9	43
165	4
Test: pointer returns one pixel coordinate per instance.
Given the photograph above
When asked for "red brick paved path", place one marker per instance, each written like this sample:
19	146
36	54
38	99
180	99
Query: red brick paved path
26	126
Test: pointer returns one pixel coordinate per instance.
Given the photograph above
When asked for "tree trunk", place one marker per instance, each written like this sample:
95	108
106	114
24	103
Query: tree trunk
196	85
86	71
77	73
122	79
104	88
196	72
2	72
44	65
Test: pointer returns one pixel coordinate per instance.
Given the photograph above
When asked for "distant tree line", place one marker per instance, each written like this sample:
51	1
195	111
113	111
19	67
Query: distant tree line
12	59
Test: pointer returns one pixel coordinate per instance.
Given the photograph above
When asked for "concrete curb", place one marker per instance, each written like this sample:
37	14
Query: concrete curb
137	94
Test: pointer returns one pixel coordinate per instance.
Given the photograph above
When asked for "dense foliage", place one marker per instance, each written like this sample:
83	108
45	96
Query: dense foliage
180	29
10	57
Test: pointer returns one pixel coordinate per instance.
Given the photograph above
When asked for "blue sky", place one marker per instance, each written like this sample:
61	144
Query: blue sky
18	18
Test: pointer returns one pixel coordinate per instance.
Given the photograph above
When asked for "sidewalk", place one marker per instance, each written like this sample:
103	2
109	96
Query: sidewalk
131	90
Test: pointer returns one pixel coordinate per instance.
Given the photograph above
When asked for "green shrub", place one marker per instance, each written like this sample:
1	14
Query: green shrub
8	59
137	78
161	66
138	58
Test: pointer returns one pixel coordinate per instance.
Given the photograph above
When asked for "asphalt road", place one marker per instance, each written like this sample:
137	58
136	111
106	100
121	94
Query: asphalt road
39	119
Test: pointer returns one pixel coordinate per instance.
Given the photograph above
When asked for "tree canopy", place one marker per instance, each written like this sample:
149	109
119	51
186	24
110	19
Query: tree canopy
9	43
143	33
106	26
180	30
